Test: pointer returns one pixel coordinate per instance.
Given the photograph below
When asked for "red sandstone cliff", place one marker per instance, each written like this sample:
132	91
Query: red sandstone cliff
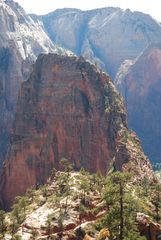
68	109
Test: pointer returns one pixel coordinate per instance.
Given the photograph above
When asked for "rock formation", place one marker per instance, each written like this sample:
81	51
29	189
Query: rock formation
68	108
140	85
21	40
114	39
148	228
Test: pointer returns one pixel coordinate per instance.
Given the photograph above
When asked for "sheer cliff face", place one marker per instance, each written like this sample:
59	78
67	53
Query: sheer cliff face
11	76
67	109
21	40
115	39
107	36
143	79
20	31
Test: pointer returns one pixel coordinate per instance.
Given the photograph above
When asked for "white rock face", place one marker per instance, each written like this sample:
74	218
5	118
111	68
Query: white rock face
19	30
21	41
109	35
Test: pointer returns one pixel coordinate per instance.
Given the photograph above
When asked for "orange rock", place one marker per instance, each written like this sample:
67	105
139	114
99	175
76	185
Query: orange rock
87	237
62	113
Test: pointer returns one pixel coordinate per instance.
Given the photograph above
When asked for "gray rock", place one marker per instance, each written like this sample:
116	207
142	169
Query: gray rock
105	36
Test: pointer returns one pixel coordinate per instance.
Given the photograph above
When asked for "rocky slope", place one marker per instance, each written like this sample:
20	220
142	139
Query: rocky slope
44	212
106	36
142	79
21	40
58	210
68	108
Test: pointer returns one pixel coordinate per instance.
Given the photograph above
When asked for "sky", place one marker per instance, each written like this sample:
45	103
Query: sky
151	7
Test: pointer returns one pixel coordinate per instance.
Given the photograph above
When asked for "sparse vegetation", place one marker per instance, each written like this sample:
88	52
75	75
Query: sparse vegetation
110	203
34	234
155	198
122	207
3	224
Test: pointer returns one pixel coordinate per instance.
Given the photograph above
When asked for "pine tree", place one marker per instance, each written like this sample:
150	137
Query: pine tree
30	194
68	167
34	234
97	182
145	185
13	227
49	225
67	194
84	187
62	182
16	213
156	200
53	173
3	224
44	191
21	202
122	207
17	237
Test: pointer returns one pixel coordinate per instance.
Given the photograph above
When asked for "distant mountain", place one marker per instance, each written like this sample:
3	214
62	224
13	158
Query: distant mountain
140	84
116	40
107	36
21	41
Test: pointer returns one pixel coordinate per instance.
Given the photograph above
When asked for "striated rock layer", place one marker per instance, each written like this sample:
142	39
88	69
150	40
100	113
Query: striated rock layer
68	109
21	41
106	36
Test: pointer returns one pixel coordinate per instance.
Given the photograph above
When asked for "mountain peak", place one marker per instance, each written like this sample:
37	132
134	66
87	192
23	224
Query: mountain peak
68	108
15	6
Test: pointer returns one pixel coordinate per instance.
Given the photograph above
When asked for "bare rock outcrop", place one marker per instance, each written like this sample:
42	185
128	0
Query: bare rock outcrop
67	108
